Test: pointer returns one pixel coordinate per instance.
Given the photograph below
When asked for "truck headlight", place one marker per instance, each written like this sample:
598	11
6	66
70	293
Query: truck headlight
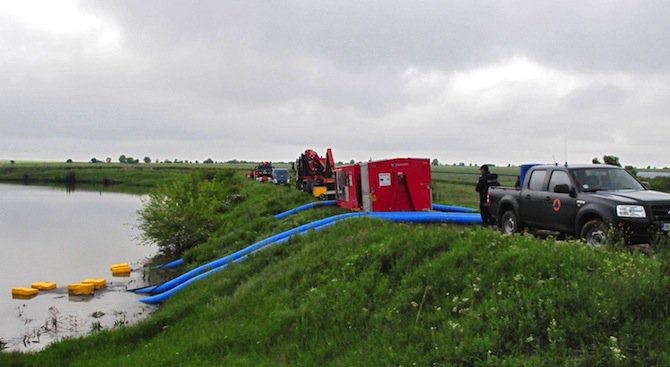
631	211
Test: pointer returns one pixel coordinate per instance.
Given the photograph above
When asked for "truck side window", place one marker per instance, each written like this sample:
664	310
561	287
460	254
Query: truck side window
537	180
558	178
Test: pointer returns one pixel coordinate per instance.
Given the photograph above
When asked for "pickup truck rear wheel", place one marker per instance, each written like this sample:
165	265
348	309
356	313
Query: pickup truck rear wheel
509	223
594	233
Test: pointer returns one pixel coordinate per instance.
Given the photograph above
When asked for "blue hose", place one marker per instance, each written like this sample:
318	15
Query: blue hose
234	256
453	209
301	208
429	217
438	207
167	294
173	264
166	290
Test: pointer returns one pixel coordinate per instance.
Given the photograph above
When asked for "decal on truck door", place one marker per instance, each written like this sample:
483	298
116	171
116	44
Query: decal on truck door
557	205
384	179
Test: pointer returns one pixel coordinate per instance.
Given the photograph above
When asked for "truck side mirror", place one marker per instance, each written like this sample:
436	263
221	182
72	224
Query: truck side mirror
562	189
646	185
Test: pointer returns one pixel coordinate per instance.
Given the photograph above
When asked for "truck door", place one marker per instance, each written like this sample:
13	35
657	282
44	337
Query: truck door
532	200
560	209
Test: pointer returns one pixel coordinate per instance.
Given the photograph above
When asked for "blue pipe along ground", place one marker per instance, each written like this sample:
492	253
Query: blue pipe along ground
317	204
453	209
164	291
301	208
173	264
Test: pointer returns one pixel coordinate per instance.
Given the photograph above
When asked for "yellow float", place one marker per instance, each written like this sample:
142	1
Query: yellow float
80	289
24	293
97	283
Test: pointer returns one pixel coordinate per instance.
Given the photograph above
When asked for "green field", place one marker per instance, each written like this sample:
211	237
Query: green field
451	184
369	293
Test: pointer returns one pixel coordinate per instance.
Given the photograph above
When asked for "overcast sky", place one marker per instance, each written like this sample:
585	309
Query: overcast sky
461	81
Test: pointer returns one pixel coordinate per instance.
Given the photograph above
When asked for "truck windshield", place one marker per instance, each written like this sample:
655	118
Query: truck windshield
596	179
280	173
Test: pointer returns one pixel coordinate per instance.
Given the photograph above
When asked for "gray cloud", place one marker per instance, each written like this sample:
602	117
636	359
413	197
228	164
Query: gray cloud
464	81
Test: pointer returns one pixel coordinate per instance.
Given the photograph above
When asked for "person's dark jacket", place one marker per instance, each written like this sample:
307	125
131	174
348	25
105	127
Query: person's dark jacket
485	181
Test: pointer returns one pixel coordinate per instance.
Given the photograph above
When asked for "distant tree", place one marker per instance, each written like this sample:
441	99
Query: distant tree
122	158
108	159
632	170
612	160
352	161
95	160
69	160
147	160
167	161
208	161
12	162
595	160
435	162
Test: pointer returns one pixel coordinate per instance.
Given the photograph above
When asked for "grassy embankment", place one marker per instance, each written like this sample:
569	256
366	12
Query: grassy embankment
368	293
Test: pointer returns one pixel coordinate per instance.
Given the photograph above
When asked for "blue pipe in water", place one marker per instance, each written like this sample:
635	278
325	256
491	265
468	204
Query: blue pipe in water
453	209
301	208
158	298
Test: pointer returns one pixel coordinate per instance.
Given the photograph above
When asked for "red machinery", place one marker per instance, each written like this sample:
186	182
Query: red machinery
262	172
400	184
315	174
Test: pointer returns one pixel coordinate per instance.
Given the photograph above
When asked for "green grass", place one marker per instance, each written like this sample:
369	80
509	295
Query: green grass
368	293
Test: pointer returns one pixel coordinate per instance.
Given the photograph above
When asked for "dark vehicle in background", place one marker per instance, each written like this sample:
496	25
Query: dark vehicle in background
582	201
280	176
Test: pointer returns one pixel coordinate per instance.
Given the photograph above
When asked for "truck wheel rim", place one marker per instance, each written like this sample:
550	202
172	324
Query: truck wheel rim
597	238
509	225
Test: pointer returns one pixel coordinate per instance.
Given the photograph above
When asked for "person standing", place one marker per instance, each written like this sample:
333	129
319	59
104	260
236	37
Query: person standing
486	180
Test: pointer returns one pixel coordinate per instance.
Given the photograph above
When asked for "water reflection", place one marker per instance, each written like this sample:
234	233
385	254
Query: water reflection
66	236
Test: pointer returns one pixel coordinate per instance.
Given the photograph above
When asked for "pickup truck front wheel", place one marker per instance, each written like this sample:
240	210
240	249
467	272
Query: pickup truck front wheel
594	233
509	223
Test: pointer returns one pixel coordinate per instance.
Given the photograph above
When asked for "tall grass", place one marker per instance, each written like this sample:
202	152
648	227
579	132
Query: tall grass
373	293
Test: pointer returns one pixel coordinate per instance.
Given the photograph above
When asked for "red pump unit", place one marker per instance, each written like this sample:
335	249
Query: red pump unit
400	184
349	195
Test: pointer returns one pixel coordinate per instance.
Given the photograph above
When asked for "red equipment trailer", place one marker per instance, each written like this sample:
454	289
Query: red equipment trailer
400	184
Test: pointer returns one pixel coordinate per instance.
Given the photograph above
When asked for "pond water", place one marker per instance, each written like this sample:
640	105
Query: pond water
653	174
48	234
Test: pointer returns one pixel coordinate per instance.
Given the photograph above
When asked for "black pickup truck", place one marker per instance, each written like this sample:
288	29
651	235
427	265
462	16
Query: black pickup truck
582	201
